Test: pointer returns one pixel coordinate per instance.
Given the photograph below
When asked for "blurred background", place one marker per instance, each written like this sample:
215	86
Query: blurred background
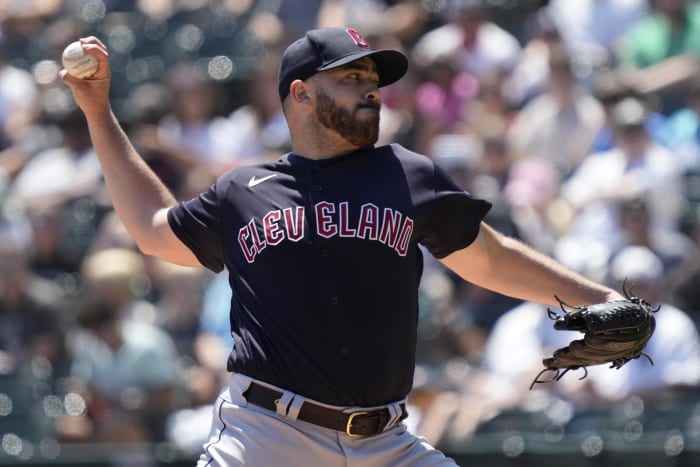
579	120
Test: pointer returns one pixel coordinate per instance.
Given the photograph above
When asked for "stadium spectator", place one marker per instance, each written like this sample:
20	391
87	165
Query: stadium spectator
636	166
592	29
123	366
682	132
19	97
31	321
664	47
61	173
532	192
441	101
194	133
634	220
470	41
683	281
529	76
257	130
560	124
207	373
612	86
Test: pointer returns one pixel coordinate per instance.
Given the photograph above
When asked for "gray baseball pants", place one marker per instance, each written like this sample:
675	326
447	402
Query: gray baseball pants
244	434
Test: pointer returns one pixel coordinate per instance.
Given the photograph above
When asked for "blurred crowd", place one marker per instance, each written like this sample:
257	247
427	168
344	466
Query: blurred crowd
579	120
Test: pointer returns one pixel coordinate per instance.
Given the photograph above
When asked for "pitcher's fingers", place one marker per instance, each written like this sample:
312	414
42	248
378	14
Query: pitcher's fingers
93	41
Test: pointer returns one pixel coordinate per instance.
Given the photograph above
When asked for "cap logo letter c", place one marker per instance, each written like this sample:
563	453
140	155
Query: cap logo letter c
357	37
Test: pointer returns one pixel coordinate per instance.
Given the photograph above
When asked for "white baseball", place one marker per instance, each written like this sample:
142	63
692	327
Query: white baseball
78	63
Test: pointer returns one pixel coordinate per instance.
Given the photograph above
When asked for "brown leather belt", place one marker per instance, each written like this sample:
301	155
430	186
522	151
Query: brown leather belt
359	423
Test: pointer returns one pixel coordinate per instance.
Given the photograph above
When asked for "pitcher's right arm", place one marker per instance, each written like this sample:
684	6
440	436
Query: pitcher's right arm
139	197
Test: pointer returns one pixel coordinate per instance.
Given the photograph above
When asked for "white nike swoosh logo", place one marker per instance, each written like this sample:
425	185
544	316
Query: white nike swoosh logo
257	181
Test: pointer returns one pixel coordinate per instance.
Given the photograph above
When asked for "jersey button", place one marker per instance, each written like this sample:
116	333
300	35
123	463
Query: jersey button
324	252
318	188
344	352
335	300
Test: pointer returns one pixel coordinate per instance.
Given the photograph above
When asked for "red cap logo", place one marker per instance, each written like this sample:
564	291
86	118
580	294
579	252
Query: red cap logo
357	37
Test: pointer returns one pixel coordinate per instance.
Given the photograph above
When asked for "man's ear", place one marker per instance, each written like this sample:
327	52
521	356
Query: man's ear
299	92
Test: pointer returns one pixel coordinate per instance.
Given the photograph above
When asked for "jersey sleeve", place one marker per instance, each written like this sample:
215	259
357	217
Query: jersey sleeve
197	224
451	216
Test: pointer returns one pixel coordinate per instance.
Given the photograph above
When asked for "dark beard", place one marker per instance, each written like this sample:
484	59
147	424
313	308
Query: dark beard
343	122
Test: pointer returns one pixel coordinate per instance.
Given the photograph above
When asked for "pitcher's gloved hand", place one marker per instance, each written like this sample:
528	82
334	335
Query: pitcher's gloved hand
613	332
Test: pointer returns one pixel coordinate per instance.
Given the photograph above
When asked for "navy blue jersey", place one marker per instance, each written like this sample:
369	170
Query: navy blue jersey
325	266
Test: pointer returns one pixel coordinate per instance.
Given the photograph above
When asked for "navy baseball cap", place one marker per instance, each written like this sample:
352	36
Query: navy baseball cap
327	48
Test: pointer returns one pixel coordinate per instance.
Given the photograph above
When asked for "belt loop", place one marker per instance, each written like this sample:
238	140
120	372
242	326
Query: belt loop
283	402
395	413
295	407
